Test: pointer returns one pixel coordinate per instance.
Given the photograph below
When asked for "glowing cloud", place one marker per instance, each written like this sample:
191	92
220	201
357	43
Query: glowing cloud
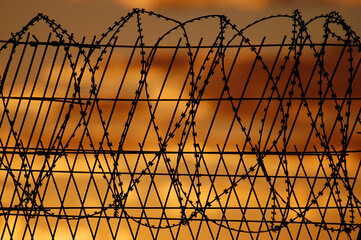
241	4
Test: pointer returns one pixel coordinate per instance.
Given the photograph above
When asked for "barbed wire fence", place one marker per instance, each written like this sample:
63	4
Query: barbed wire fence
205	138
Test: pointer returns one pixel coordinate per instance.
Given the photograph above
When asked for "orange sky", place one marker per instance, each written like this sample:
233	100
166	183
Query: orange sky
92	17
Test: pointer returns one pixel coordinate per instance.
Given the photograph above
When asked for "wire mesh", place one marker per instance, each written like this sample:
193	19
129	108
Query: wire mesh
161	129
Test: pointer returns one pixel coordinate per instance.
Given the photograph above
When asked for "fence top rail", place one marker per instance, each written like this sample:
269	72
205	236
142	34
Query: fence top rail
243	45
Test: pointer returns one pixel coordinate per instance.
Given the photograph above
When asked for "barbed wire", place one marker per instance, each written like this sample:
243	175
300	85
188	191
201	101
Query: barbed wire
284	84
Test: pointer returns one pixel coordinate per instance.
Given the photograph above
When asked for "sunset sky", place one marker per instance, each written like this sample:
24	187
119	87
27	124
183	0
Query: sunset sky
92	18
